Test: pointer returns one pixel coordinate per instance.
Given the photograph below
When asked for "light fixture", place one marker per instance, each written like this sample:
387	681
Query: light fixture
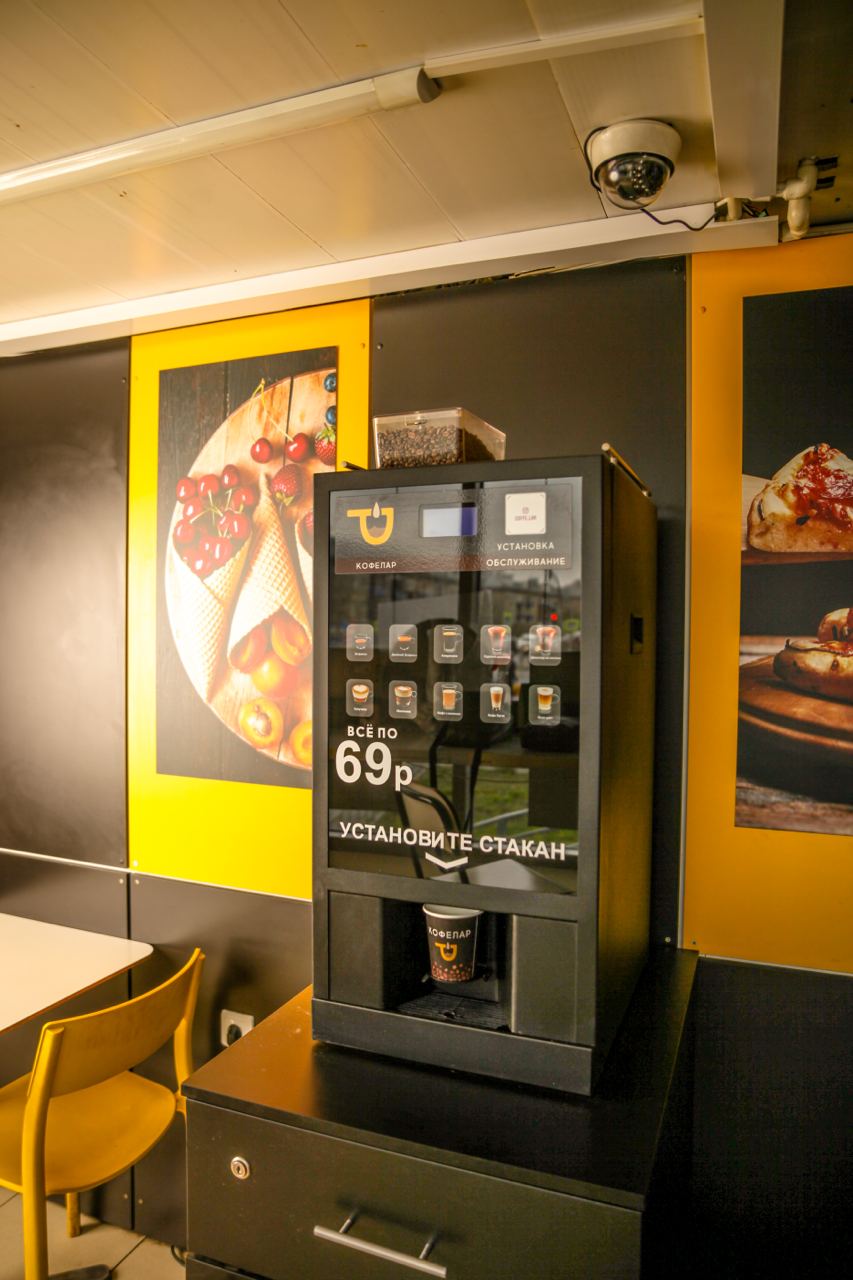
219	133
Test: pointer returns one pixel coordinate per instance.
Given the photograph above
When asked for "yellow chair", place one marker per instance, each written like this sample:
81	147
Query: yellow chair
81	1117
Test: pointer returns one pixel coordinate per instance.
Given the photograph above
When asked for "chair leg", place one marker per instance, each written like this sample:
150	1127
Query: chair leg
72	1214
34	1210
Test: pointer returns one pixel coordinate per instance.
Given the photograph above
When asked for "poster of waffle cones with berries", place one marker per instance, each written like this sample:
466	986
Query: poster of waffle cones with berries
235	641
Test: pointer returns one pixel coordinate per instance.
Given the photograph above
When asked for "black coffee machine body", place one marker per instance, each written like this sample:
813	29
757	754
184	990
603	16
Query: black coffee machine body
484	696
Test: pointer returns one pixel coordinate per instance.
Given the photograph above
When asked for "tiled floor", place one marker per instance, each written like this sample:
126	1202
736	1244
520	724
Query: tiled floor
132	1257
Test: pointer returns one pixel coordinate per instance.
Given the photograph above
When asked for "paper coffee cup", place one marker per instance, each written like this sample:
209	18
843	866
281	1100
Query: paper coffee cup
452	938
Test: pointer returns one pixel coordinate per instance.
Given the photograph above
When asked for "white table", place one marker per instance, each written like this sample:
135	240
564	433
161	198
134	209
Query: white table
43	965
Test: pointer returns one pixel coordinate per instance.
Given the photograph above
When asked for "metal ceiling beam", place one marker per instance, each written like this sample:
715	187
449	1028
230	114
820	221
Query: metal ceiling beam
560	248
743	40
615	35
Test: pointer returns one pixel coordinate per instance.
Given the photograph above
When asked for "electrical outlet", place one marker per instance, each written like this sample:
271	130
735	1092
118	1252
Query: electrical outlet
233	1025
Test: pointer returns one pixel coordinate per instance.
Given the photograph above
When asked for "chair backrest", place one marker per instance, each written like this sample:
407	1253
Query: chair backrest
76	1053
428	808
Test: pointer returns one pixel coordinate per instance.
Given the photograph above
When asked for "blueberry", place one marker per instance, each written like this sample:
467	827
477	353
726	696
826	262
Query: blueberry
332	414
330	382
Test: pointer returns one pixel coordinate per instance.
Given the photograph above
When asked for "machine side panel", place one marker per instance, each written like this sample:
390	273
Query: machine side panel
627	749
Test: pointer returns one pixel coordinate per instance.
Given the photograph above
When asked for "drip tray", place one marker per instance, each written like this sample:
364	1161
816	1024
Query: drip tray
459	1010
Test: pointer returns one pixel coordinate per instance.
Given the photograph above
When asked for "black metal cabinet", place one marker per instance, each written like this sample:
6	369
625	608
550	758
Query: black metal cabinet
436	1173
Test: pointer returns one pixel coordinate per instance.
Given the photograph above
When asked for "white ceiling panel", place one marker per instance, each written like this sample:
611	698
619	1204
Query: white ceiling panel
147	232
196	58
364	37
55	97
346	188
497	151
668	81
495	157
47	283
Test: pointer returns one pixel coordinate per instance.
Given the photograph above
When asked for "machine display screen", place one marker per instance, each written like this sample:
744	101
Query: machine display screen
449	522
454	659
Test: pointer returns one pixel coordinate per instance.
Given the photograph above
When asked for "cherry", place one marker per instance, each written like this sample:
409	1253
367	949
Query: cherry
223	523
206	544
245	496
194	508
222	550
297	448
240	525
184	533
201	565
261	450
230	478
208	485
185	488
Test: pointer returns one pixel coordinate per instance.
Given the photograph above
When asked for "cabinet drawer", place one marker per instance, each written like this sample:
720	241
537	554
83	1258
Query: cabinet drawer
298	1180
199	1270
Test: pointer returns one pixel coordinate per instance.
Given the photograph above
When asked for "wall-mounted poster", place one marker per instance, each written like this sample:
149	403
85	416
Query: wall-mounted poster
229	423
768	864
239	443
795	705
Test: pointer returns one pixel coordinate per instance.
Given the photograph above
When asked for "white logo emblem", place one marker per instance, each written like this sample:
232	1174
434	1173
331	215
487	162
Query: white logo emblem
524	513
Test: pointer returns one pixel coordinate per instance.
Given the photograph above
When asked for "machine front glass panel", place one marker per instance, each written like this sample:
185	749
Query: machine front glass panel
454	676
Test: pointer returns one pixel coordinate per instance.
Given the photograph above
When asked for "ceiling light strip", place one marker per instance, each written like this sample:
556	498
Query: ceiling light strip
219	133
590	40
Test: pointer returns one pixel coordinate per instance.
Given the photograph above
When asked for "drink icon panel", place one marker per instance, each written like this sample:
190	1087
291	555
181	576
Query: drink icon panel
447	642
495	643
360	642
359	697
402	699
545	645
447	700
403	642
543	704
495	703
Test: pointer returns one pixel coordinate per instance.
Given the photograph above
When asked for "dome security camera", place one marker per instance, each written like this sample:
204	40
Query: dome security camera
630	162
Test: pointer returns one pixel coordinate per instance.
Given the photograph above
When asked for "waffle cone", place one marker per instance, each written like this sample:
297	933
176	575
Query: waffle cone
306	564
198	613
272	580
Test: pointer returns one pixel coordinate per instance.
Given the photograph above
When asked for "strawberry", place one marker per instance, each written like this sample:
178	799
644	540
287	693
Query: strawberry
305	530
286	485
326	446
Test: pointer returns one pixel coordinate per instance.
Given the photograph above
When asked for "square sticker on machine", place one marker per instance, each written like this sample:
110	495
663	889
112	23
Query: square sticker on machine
524	513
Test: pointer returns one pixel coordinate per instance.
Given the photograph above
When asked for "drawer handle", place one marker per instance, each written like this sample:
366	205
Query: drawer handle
342	1236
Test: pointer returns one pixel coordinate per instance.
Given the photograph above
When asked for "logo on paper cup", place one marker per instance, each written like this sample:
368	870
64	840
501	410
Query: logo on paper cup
368	517
447	951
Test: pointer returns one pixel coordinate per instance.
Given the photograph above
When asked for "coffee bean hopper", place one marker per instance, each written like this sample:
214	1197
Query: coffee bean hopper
483	762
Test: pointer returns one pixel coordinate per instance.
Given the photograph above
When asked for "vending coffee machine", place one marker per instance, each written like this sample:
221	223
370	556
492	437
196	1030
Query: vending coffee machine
484	701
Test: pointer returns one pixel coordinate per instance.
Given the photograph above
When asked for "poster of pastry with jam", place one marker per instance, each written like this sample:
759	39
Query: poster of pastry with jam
795	712
239	445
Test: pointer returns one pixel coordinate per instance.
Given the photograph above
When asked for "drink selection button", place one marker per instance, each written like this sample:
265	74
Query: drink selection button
495	644
447	642
360	642
403	642
447	701
359	697
495	703
402	699
543	704
545	645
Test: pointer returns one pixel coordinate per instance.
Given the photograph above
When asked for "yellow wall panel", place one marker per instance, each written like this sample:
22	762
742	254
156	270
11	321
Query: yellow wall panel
243	835
781	897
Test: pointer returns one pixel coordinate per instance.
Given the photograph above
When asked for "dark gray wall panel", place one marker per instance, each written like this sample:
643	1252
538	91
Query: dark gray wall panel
63	500
64	892
563	363
258	955
773	1129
